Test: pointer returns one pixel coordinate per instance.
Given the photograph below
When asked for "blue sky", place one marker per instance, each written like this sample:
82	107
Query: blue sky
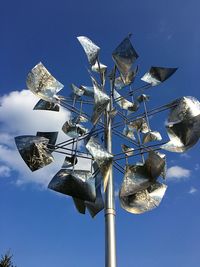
42	228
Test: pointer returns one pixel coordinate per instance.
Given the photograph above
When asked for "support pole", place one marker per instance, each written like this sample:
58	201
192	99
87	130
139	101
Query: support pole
110	242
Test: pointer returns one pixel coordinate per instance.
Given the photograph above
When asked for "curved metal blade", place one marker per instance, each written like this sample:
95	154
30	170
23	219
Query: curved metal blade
91	49
74	130
102	157
124	56
78	184
77	90
98	205
155	165
80	205
43	84
144	200
34	151
101	101
157	75
151	136
45	105
183	126
99	67
129	132
88	90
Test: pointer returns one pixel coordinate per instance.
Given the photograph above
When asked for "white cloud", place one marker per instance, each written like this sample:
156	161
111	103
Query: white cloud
192	190
177	173
17	117
185	155
197	167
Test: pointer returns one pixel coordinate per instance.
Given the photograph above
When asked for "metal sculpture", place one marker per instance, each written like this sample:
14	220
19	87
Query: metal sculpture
116	114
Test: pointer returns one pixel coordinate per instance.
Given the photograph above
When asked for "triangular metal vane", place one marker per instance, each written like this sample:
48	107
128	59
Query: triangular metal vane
101	101
157	75
129	132
45	105
91	49
43	84
151	136
78	119
88	90
77	90
144	200
124	103
34	151
124	56
139	125
99	67
76	183
74	130
102	157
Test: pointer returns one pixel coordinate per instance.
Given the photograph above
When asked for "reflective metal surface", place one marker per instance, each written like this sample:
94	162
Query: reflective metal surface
151	136
101	101
91	49
88	90
124	56
183	126
98	205
45	105
157	75
80	205
34	151
102	157
74	130
51	136
69	162
129	132
124	103
144	200
155	165
139	125
99	67
43	84
78	119
127	150
77	90
142	98
78	184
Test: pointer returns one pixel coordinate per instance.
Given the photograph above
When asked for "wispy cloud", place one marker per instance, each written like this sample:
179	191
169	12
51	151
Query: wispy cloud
192	190
185	155
178	173
18	118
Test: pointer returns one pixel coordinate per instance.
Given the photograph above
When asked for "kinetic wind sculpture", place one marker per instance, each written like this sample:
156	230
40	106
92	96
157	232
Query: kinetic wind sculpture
111	114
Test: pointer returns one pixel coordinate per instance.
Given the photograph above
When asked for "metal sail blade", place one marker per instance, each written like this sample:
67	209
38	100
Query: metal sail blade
183	126
142	98
43	84
144	200
76	183
155	165
69	162
80	205
74	130
77	90
124	56
88	90
124	103
101	101
45	105
127	150
99	67
151	136
51	136
34	151
129	132
139	125
95	207
102	157
91	49
157	75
